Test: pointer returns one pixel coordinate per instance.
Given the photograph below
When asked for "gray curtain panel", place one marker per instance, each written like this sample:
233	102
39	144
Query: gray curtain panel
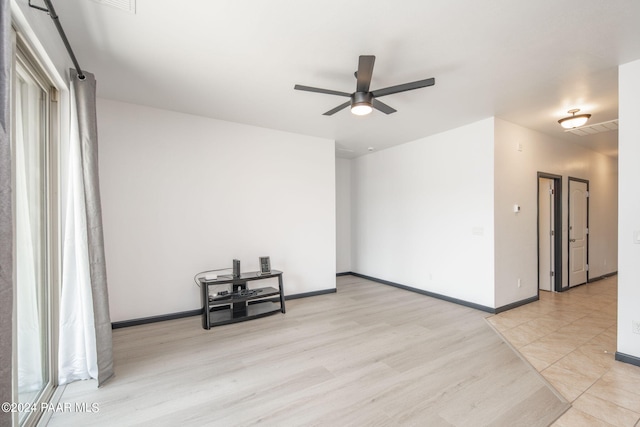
6	220
85	99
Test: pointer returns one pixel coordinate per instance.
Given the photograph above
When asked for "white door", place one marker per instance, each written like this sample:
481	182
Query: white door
546	234
578	232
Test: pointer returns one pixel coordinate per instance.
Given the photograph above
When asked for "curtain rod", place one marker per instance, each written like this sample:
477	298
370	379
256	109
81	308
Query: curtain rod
52	13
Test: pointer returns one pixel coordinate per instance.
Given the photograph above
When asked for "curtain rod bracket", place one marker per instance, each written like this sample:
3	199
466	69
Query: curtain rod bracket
52	13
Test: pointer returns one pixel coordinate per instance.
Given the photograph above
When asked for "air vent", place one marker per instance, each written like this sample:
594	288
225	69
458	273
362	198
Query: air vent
595	128
126	5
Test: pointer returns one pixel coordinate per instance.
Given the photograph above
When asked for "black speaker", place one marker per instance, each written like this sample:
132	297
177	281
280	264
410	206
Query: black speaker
236	268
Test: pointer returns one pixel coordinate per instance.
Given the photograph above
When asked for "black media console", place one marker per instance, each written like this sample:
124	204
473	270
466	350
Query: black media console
227	299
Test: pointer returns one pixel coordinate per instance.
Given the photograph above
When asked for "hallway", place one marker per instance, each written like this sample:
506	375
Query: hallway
570	338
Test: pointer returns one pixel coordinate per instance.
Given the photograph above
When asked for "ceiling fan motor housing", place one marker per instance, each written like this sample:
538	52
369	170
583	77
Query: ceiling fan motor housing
361	98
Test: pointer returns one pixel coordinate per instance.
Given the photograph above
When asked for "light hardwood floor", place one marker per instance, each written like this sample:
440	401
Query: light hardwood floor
368	355
570	337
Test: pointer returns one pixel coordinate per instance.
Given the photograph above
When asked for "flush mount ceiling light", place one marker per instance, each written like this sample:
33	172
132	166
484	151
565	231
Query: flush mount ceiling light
361	103
574	121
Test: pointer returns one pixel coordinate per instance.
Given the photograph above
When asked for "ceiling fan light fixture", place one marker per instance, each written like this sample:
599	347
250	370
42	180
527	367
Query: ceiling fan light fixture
574	121
361	109
361	103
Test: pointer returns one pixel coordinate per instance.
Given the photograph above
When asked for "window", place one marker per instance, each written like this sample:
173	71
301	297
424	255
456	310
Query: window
35	191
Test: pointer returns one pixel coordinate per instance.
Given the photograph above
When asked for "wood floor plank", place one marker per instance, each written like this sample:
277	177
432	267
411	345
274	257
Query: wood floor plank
368	355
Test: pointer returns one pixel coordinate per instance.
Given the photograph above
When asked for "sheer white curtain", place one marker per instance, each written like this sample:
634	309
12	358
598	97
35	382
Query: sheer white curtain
85	326
77	355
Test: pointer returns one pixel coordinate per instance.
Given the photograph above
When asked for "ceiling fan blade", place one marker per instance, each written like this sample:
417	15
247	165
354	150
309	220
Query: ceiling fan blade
338	108
318	90
383	107
403	87
365	72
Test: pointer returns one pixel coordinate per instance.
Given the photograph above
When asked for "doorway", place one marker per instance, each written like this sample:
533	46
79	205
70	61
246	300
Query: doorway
578	231
549	241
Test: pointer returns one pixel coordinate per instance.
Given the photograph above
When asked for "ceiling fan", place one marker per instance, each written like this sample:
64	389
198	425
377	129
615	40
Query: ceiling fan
363	101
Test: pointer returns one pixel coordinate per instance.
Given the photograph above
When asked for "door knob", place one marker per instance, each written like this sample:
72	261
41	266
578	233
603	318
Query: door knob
572	240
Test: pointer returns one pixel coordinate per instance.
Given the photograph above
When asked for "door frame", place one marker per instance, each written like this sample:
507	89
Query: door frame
557	225
584	181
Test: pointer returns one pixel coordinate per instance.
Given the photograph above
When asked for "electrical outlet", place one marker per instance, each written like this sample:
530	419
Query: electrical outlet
519	283
635	326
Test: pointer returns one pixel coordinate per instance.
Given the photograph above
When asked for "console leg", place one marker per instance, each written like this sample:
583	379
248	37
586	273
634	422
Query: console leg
281	294
204	288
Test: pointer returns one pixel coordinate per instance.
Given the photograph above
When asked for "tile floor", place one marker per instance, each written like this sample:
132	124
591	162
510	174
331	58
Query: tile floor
570	338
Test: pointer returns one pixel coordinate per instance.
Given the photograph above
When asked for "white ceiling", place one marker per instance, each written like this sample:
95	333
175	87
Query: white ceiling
527	62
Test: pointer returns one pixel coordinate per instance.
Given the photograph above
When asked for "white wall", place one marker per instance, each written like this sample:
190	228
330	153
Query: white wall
343	215
516	182
423	214
629	208
182	194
